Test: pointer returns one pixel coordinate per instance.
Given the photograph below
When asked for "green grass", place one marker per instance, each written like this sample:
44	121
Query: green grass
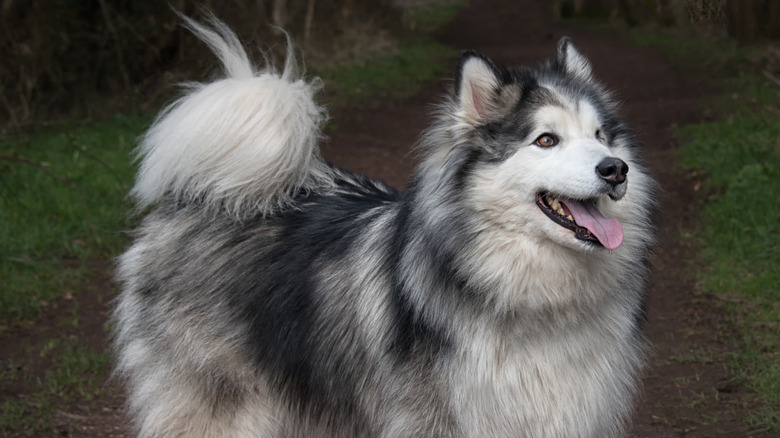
62	216
695	355
739	236
690	47
62	204
741	165
399	74
430	16
77	371
74	373
737	159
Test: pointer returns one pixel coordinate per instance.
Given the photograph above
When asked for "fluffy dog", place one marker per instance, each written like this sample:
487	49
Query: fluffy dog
269	293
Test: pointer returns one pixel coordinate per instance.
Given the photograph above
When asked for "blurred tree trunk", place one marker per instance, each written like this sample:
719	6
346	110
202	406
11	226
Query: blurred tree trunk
308	23
639	12
598	8
346	10
114	35
628	12
773	23
742	17
665	12
279	13
567	8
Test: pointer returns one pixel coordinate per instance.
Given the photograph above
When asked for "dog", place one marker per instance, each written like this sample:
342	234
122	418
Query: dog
269	293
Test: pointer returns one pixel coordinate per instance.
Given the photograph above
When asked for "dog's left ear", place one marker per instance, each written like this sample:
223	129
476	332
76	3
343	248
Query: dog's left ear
476	83
572	61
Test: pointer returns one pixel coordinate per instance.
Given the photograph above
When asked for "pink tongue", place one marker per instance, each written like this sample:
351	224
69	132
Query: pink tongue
608	231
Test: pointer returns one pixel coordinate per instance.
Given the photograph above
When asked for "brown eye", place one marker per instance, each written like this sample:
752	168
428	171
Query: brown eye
546	140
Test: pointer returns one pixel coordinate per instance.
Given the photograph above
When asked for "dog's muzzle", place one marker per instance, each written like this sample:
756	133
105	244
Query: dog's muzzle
613	171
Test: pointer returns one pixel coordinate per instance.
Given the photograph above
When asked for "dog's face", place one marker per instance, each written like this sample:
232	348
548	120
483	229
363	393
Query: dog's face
554	160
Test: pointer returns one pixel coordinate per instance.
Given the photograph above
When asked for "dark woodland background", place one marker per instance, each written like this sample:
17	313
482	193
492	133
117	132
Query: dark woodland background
82	57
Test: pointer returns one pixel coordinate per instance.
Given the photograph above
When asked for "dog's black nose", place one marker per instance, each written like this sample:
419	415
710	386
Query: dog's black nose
612	170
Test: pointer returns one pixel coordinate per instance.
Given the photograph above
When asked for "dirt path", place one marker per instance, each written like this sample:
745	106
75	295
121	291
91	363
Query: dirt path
686	391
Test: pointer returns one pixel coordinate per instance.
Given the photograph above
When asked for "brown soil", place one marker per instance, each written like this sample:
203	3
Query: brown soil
687	391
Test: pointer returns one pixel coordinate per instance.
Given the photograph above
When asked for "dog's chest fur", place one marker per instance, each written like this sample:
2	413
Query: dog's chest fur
577	383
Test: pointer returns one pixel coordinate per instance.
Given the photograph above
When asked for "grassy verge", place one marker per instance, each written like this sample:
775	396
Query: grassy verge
739	162
60	377
63	216
61	205
429	16
398	74
736	158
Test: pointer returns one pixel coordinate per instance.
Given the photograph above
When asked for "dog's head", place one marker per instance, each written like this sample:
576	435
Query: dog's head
542	148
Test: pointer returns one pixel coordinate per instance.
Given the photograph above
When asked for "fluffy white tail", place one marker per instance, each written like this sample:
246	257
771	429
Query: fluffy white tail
246	143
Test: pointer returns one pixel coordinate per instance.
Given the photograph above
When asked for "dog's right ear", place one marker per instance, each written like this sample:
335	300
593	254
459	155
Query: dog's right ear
572	61
476	83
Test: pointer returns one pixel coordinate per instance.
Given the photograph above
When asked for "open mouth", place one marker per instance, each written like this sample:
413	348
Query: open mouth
583	218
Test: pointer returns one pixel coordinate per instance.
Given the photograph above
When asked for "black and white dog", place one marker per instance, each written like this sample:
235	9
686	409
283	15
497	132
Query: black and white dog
269	293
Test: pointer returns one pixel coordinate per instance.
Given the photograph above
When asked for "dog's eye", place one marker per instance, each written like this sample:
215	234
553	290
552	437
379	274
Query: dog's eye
546	140
599	135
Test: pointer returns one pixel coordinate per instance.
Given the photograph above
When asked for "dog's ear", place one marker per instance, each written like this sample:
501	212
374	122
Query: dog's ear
572	61
476	83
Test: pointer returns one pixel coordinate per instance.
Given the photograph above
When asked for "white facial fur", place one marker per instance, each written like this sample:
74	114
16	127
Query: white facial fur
571	164
567	169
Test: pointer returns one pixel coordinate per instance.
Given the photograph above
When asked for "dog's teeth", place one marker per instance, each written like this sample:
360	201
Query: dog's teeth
560	211
570	218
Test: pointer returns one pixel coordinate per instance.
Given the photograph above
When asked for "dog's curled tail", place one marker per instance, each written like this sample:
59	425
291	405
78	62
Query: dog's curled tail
246	143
